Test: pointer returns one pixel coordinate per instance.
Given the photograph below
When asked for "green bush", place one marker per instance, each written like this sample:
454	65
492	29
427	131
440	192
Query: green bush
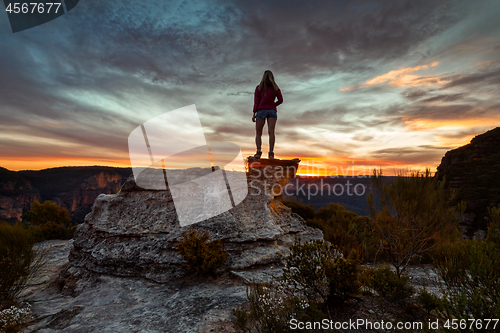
494	225
320	271
202	256
306	212
19	262
388	284
428	301
470	275
341	227
306	268
316	276
272	306
241	317
49	221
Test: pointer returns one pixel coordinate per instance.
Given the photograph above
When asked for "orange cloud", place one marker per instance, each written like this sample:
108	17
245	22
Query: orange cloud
402	77
417	124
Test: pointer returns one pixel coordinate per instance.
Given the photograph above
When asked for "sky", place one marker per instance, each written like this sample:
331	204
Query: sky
389	84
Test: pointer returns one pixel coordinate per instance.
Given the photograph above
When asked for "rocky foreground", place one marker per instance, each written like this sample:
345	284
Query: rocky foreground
124	275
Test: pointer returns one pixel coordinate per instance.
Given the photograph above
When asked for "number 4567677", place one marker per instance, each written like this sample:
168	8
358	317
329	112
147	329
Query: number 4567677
463	324
33	7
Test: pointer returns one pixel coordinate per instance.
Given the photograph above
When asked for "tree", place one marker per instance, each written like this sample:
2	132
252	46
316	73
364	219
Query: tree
412	217
49	221
48	212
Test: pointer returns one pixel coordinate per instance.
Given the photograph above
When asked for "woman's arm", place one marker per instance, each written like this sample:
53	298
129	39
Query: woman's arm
280	97
256	99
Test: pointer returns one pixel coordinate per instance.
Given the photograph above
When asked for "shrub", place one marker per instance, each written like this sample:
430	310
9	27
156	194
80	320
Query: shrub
48	212
343	279
202	256
349	233
306	268
49	221
321	273
18	261
306	212
316	275
470	275
272	307
13	319
341	227
428	301
388	284
241	317
494	225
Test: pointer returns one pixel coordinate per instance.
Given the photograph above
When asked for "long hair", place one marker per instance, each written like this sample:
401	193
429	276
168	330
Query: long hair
267	81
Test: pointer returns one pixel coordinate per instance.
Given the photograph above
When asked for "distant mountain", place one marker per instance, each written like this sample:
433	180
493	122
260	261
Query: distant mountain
350	192
74	188
474	171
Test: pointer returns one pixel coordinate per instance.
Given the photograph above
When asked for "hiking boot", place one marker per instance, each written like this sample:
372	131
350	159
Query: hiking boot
271	155
257	154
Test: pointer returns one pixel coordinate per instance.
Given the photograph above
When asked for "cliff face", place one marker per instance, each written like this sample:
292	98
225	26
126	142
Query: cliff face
73	188
474	171
16	195
79	201
76	188
134	232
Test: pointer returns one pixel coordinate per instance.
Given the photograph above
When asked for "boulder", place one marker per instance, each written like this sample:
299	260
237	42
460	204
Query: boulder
134	232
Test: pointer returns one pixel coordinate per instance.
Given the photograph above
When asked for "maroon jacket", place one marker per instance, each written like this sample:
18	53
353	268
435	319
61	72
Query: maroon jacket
262	102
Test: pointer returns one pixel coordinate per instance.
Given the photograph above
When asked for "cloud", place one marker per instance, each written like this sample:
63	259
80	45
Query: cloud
463	134
84	81
483	78
423	155
401	77
414	93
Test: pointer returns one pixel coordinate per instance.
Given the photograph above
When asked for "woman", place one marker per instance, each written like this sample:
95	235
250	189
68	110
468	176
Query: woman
264	108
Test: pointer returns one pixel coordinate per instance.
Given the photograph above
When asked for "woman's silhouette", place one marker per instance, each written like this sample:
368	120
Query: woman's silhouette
264	108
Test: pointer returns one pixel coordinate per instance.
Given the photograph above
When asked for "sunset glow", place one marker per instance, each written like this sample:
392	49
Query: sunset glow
362	88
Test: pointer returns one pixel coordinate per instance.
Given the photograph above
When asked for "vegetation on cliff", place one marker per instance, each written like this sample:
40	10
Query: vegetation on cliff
202	255
52	182
416	219
415	216
317	281
74	188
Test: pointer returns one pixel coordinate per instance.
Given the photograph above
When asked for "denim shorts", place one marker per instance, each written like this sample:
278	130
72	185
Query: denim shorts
267	113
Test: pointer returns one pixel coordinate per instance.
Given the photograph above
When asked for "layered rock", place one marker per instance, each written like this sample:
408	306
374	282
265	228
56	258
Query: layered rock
473	171
134	232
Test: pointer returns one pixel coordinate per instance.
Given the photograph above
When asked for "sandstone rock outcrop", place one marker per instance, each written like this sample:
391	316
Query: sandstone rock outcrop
133	233
473	171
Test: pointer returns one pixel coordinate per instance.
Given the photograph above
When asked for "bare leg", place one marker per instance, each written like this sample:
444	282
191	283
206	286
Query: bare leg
259	125
271	124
